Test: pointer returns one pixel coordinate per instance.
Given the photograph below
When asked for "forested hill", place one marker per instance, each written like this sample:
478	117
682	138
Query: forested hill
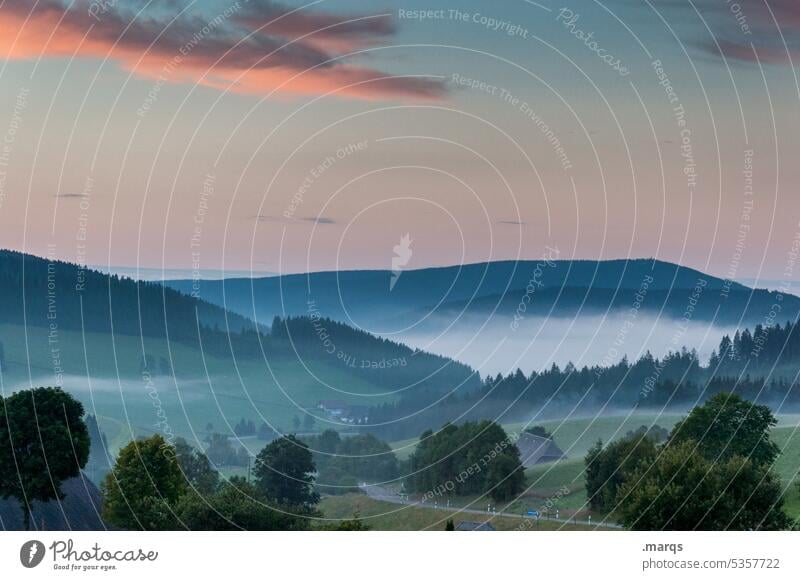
40	292
561	288
59	296
388	364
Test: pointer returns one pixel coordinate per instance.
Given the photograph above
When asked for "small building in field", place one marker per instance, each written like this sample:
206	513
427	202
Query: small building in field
466	526
534	450
334	407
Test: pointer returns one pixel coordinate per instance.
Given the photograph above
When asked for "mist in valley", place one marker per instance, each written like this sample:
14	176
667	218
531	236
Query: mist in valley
499	345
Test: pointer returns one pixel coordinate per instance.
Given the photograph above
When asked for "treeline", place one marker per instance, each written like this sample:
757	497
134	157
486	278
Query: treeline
765	350
740	365
184	490
551	393
155	485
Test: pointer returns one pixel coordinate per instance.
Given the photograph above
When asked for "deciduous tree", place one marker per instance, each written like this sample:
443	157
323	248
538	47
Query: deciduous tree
284	473
142	489
43	441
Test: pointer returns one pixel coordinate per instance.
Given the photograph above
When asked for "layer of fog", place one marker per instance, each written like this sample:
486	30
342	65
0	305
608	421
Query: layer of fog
500	346
127	385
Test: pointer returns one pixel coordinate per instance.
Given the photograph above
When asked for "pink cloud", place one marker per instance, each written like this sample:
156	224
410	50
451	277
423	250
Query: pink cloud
254	48
750	30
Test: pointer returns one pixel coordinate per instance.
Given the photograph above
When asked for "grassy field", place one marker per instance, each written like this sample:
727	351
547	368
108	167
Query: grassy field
575	436
788	464
388	516
545	481
560	485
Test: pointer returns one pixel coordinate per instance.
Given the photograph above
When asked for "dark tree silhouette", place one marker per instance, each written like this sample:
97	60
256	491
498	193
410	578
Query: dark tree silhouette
283	473
43	441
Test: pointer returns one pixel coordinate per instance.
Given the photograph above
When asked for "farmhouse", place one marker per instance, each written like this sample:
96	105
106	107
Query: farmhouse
534	450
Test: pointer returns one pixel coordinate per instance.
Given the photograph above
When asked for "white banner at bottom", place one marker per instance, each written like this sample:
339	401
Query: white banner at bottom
347	555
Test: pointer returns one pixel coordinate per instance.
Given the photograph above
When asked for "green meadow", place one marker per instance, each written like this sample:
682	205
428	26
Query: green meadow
386	516
560	485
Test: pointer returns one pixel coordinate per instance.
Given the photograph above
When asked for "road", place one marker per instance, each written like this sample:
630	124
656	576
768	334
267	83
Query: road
380	493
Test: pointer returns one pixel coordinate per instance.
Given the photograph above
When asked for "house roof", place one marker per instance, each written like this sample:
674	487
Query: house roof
467	526
534	450
79	510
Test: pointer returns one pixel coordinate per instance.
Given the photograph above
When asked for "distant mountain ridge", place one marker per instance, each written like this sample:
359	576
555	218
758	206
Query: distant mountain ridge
559	288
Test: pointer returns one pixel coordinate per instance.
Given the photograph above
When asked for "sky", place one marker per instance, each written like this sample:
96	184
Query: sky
263	137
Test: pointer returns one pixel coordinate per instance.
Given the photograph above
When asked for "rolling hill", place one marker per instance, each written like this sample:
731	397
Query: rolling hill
556	289
145	358
50	293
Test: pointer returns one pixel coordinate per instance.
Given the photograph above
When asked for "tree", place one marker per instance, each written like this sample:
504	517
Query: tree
727	425
236	505
283	472
327	442
196	468
471	458
142	489
607	469
221	452
43	441
505	478
449	526
244	428
361	456
655	432
683	490
308	422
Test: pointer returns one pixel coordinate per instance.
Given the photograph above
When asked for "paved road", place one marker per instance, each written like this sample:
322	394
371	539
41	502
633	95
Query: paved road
381	493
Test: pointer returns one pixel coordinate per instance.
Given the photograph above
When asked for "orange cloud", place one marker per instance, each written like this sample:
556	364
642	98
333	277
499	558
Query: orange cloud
253	49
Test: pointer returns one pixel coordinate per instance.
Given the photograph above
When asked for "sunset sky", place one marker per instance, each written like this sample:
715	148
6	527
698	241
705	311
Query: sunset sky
265	137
